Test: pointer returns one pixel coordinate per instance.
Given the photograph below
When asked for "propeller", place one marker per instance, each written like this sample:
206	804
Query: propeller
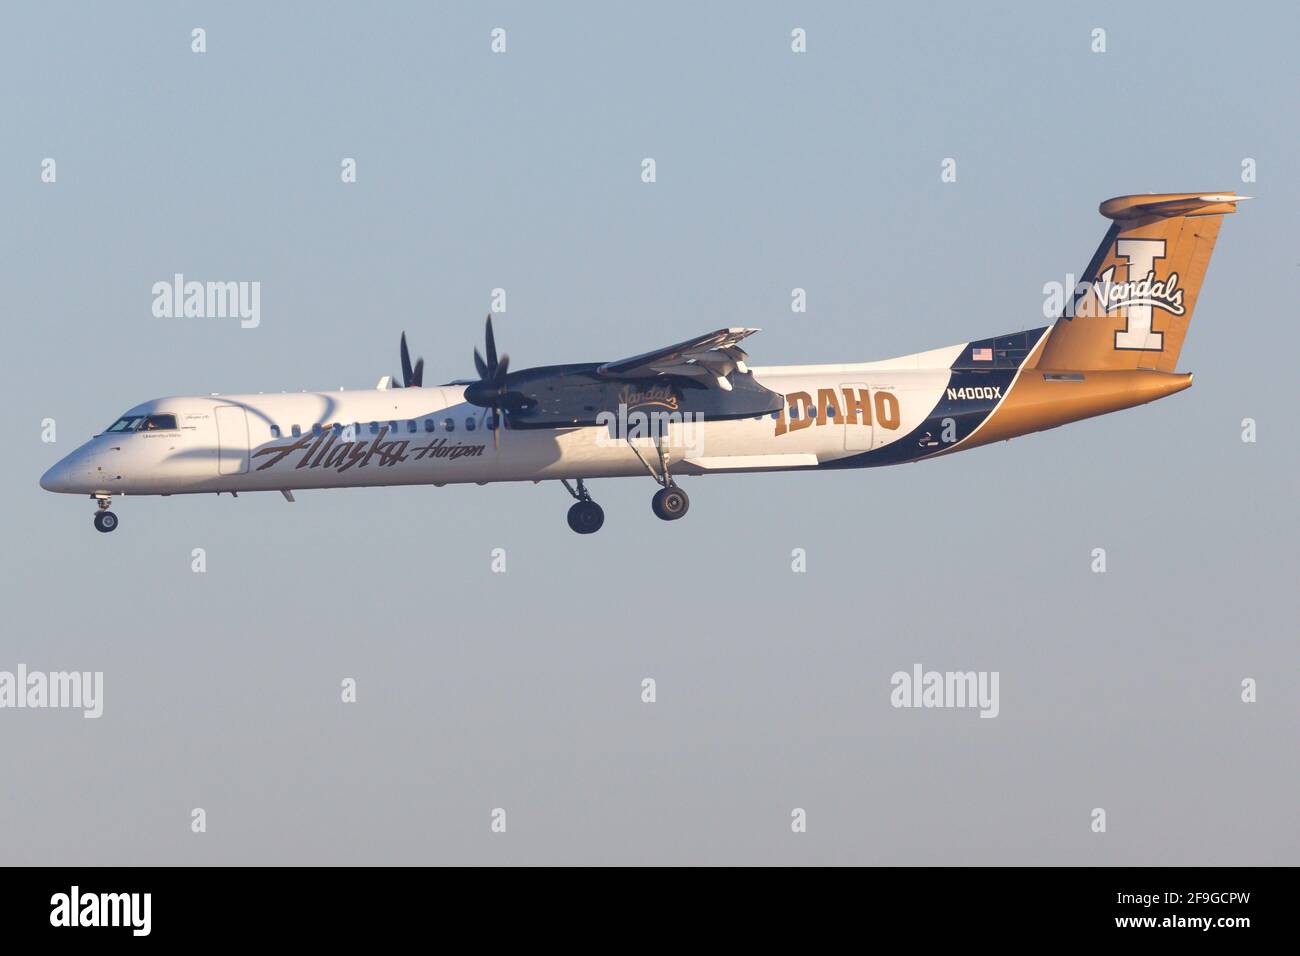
490	390
412	376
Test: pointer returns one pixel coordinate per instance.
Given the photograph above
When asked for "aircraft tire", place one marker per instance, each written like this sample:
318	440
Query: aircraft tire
586	517
670	503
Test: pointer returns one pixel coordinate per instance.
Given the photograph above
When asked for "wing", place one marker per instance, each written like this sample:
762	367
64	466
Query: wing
713	356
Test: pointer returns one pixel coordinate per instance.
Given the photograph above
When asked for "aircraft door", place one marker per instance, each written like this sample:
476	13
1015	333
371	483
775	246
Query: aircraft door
232	440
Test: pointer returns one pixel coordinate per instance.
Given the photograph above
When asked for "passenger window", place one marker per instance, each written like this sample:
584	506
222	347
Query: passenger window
410	426
830	411
315	428
295	431
275	431
794	411
469	424
336	428
449	424
428	424
156	423
392	426
374	428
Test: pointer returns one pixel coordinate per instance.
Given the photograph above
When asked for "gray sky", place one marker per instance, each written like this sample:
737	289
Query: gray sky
775	170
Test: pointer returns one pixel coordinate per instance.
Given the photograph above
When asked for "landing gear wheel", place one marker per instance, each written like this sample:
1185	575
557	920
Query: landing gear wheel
105	521
586	517
670	503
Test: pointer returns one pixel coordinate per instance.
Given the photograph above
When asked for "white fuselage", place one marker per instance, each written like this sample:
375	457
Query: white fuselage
410	436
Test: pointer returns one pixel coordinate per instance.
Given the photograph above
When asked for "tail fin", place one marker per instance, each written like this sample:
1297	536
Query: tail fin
1135	301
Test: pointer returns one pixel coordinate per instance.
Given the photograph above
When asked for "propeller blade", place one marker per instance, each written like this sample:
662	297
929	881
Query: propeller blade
491	346
489	391
417	379
408	375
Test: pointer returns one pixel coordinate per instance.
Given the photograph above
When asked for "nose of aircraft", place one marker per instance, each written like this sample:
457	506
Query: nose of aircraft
58	478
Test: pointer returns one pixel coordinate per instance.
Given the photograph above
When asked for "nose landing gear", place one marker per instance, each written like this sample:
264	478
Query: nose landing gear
105	520
585	516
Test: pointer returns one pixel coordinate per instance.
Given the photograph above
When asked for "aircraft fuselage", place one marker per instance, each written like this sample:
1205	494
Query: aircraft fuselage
842	416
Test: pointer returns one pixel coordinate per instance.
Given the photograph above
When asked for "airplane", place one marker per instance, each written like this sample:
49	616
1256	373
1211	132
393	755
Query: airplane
690	409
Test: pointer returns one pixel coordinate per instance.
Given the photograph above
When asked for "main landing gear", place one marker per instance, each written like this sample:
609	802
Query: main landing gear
105	520
585	516
669	502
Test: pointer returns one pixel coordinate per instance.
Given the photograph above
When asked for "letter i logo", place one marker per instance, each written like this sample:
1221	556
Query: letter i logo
1141	255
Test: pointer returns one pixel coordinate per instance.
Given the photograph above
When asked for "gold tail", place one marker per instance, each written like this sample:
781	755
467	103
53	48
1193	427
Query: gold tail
1136	298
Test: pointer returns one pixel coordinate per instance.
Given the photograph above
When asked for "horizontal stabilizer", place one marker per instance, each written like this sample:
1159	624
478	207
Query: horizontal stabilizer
1165	205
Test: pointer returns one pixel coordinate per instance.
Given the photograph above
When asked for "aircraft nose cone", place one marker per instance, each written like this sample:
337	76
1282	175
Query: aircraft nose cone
57	478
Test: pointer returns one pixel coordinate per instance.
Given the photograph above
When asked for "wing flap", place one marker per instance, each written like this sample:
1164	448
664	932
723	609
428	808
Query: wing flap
751	462
713	355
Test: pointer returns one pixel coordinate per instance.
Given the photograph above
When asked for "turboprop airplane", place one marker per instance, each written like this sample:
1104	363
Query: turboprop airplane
694	408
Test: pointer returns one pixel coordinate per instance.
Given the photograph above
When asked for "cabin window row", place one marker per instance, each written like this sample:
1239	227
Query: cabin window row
410	426
794	413
812	412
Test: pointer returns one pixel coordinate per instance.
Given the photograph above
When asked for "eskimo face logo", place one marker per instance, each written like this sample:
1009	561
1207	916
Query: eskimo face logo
1138	296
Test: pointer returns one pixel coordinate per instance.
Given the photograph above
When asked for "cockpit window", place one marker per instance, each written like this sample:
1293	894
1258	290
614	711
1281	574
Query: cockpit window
157	423
127	423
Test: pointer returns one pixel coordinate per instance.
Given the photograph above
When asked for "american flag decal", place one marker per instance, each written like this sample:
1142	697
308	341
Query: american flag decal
981	355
